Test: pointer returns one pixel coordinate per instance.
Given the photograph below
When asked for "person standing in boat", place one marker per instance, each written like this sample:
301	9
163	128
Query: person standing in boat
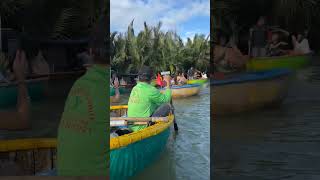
18	120
83	141
146	100
258	39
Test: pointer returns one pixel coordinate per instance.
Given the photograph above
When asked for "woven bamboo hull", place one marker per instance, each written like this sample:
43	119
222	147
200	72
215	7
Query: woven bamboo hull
128	161
246	96
268	63
132	153
184	91
27	156
9	92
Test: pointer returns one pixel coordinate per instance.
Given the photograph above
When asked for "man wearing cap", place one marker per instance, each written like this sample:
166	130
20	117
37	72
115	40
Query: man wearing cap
83	141
146	100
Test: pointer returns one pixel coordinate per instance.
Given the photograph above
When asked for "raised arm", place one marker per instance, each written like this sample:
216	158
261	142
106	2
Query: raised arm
19	119
160	98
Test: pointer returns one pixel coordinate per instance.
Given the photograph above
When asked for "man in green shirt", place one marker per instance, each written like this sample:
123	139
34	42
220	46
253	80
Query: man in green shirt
146	100
83	134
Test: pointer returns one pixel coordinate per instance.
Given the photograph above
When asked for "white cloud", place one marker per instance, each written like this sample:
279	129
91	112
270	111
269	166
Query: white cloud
172	13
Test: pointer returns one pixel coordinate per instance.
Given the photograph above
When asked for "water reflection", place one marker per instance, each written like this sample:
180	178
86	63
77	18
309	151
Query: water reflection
280	143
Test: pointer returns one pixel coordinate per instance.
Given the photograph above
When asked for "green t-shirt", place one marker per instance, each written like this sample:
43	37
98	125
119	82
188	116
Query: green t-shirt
144	100
83	134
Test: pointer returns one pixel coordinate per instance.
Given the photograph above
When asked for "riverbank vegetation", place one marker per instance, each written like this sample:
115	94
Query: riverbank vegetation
162	50
235	17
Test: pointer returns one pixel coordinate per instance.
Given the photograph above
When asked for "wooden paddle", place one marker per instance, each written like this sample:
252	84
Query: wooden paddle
139	119
175	125
123	121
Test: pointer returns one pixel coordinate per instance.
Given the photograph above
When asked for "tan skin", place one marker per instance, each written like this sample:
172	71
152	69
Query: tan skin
19	119
116	97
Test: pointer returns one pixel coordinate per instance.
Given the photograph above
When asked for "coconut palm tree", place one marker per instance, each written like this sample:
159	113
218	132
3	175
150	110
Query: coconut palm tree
51	19
161	50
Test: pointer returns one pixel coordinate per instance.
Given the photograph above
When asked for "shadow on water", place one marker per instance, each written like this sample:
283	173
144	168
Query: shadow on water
281	143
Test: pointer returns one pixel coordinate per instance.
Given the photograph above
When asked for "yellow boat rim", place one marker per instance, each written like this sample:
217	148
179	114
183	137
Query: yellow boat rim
27	144
127	139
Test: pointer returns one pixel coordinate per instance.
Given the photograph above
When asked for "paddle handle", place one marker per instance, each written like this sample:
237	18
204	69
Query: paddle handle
125	123
138	119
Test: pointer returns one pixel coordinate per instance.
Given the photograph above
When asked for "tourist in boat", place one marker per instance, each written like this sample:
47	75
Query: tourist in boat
123	82
39	65
276	47
258	39
228	58
220	48
19	119
83	144
197	74
116	97
204	75
174	80
146	100
190	73
181	80
300	44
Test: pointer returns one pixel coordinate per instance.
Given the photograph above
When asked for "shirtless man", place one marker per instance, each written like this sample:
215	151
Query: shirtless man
19	119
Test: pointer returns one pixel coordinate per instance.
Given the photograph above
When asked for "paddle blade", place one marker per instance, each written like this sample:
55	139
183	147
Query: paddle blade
175	125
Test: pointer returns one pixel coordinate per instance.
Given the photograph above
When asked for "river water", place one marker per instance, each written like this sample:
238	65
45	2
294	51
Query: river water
45	114
280	143
187	155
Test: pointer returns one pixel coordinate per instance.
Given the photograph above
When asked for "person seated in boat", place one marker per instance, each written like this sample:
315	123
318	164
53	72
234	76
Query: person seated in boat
228	58
39	65
116	97
181	79
123	82
174	80
190	73
300	44
146	100
220	49
276	47
82	142
19	119
197	74
204	75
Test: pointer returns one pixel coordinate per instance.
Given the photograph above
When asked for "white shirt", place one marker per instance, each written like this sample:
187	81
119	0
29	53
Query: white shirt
302	47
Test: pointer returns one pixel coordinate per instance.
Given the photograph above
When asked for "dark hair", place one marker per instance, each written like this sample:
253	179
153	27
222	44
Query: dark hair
145	74
99	41
221	34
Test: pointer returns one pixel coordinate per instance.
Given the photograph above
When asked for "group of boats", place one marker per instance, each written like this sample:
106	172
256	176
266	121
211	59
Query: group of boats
265	83
130	153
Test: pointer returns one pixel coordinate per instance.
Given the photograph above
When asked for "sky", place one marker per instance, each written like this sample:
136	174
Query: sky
186	17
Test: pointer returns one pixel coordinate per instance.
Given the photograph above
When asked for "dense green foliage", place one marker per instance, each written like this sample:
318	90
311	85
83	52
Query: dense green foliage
158	49
51	19
236	16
